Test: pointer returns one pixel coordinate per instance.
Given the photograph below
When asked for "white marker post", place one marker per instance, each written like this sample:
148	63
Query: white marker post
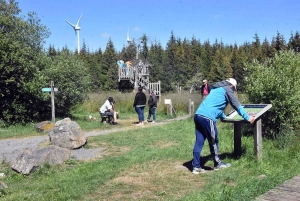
52	90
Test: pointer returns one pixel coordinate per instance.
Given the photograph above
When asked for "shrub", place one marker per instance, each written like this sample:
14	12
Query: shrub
286	137
276	82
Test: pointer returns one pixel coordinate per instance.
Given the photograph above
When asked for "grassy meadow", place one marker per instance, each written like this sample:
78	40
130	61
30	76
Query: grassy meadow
154	162
124	105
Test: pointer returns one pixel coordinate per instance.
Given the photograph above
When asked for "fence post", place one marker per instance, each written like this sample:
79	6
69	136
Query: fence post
190	107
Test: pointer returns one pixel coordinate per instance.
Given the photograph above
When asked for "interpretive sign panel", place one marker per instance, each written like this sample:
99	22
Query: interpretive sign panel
252	109
168	101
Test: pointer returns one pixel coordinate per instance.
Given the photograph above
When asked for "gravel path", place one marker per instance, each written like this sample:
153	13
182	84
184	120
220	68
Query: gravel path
10	149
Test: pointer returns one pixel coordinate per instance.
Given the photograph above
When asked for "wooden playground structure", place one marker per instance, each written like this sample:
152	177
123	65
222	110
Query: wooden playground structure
136	74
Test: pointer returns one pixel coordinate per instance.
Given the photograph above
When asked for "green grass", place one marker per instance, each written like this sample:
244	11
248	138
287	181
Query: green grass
18	131
147	164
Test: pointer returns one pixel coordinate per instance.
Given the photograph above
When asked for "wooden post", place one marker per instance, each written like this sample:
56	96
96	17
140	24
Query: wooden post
258	139
190	107
171	111
52	101
193	108
237	139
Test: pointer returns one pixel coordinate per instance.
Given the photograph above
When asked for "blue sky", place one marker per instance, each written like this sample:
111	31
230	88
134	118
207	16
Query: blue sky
232	21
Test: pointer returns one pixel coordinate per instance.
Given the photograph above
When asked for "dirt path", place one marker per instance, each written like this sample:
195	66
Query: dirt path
10	149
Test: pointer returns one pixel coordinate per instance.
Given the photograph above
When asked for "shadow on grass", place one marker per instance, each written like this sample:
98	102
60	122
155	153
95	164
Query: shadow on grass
204	159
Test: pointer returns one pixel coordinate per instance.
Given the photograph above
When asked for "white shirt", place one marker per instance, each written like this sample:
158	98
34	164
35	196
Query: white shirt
106	106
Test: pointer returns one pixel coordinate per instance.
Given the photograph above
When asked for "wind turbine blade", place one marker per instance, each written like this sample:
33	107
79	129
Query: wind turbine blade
70	23
79	20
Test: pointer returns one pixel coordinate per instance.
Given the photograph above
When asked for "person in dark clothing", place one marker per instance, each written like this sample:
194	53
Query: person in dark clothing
139	104
205	89
152	103
206	116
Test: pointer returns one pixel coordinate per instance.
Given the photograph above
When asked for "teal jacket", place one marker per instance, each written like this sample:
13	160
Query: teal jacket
216	101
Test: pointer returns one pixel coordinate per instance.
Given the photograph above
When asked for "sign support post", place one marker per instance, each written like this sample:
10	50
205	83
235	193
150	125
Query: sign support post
51	90
258	139
237	127
52	101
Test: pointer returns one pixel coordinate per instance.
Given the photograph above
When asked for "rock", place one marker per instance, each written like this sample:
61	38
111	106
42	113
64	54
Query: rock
44	126
3	185
29	160
67	134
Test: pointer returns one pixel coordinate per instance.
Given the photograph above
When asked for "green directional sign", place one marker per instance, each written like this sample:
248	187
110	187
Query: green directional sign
49	89
46	89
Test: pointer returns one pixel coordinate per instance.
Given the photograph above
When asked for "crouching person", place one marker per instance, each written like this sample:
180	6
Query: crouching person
107	109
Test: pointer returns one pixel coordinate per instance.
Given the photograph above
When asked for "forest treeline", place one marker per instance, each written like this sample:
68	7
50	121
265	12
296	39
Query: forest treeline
184	62
27	66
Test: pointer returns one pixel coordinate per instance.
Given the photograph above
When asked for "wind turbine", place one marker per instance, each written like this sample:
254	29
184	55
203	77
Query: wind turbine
76	28
128	39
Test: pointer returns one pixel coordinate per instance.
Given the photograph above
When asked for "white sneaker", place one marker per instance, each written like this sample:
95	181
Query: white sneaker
153	122
222	166
198	170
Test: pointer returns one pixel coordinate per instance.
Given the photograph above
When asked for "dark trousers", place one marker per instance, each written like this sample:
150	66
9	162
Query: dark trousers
205	129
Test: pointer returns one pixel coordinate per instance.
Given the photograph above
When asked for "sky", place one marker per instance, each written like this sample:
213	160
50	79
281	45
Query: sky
229	21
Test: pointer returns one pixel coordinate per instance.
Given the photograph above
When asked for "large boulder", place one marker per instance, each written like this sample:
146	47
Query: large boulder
44	126
67	134
29	160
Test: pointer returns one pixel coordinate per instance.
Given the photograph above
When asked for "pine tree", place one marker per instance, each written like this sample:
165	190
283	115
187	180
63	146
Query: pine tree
169	64
196	57
256	49
52	51
156	58
206	55
95	69
144	48
109	69
294	42
238	59
266	49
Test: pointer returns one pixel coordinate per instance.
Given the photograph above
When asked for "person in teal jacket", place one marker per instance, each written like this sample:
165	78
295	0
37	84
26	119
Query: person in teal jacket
206	116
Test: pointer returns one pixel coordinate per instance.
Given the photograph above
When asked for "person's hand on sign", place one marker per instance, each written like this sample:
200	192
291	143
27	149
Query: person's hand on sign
252	119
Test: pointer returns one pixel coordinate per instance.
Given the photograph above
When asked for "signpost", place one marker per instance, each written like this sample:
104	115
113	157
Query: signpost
52	90
253	110
169	102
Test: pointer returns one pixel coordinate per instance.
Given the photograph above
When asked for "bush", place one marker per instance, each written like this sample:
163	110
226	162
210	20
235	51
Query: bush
276	82
286	137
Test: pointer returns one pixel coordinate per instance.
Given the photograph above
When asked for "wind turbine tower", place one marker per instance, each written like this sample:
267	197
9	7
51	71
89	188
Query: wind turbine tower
77	29
128	38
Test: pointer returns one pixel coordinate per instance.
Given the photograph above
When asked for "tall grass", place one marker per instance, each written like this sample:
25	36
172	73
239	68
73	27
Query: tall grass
124	105
124	102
